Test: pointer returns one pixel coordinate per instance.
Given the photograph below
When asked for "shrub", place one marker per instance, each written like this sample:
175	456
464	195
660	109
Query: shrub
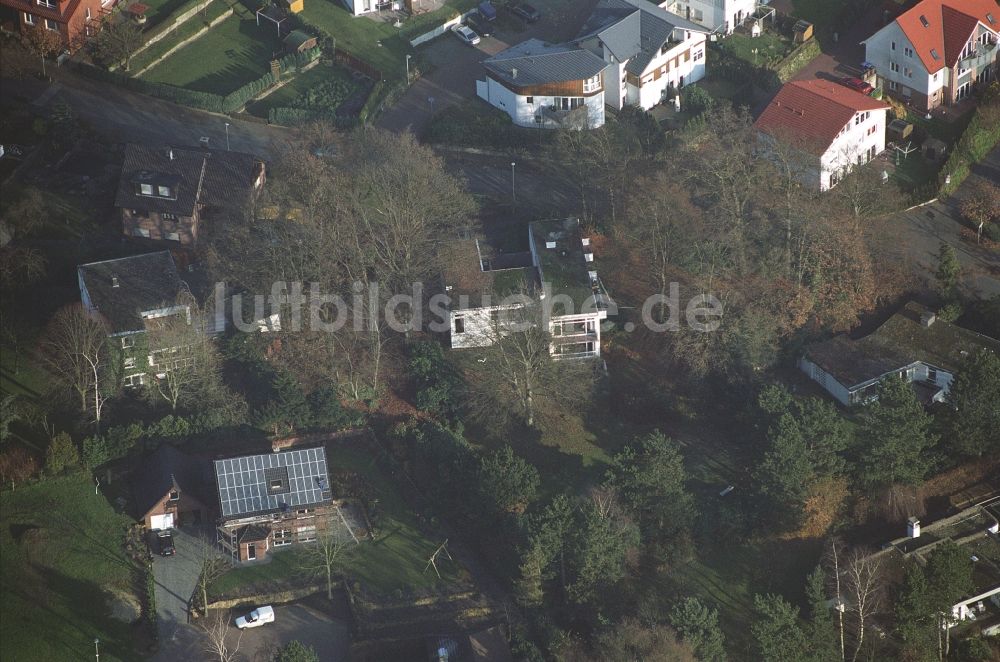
61	454
979	138
696	99
17	465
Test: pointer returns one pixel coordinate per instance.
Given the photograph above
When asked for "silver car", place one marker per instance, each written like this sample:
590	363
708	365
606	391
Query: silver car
466	34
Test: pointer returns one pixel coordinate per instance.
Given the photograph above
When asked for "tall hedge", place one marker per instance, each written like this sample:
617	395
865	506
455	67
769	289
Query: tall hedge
979	138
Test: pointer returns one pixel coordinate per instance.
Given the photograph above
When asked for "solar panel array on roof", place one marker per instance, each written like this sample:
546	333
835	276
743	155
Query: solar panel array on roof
258	484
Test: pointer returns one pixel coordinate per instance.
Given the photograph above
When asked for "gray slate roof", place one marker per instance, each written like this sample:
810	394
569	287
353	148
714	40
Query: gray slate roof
157	474
538	63
145	282
633	30
261	484
207	177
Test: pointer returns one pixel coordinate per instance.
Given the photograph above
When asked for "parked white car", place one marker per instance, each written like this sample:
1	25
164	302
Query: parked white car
466	34
256	618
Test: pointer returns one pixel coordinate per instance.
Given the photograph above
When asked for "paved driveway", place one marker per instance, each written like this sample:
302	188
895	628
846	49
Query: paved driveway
456	66
328	636
176	577
844	57
915	237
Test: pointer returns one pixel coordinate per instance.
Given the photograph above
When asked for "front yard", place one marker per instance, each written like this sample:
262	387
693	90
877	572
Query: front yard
765	50
395	560
222	60
64	567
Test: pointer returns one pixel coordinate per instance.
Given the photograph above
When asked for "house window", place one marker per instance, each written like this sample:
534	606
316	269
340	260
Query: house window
935	77
174	495
29	19
893	67
173	236
892	45
459	325
306	533
51	25
907	51
46	3
146	189
908	72
592	84
142	232
529	100
893	85
872	129
698	55
163	191
282	537
128	342
88	14
129	363
134	381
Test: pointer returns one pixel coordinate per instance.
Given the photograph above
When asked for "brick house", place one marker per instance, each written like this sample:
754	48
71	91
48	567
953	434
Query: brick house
165	193
272	500
74	20
171	489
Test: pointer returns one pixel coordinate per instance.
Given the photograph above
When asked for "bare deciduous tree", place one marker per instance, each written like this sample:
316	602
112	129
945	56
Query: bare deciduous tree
323	557
217	640
74	349
213	565
42	42
864	583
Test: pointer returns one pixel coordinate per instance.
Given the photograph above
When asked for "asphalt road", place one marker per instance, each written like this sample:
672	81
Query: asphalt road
175	579
126	116
329	637
914	237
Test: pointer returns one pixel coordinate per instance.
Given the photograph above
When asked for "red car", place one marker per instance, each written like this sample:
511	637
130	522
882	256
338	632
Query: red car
857	85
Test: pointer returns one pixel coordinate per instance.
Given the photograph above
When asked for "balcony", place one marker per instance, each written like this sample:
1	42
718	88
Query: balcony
981	55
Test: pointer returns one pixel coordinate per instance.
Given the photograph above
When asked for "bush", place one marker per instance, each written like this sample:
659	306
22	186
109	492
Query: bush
696	99
980	137
992	231
61	454
327	410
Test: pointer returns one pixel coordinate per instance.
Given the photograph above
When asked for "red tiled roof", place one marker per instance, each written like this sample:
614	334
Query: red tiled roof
814	111
949	24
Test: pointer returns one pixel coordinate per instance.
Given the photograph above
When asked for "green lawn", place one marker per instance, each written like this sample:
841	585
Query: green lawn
227	57
180	33
394	560
61	551
915	171
160	10
770	47
309	90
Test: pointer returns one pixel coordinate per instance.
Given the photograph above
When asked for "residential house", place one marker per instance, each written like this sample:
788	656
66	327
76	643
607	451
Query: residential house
171	489
131	294
74	20
721	16
974	530
165	192
490	293
546	85
649	51
272	500
913	344
831	127
937	52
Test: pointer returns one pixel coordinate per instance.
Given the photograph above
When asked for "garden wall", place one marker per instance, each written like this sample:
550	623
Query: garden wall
226	14
439	30
163	29
798	58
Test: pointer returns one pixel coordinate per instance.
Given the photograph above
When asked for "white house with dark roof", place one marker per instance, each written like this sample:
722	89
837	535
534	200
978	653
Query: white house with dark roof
554	283
913	344
272	500
130	293
937	52
546	85
649	51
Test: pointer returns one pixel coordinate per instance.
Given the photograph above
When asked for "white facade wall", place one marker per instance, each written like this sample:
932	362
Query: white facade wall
860	137
858	393
912	76
651	90
526	114
359	7
826	380
721	16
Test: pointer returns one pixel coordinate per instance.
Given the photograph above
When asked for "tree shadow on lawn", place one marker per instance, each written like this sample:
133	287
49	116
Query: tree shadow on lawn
245	62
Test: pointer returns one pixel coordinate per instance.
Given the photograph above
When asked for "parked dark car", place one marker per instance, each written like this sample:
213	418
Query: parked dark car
479	25
487	10
526	12
165	543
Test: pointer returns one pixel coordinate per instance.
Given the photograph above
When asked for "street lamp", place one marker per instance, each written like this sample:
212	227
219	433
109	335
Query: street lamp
97	651
513	194
407	68
227	136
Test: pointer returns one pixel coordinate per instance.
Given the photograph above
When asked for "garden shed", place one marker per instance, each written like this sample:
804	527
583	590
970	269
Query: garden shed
298	41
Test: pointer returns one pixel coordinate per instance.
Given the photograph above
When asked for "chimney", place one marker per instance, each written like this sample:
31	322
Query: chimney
114	281
513	72
588	257
550	244
585	241
170	153
913	528
927	319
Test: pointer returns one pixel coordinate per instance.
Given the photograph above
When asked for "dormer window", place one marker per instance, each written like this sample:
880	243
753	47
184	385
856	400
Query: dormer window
146	189
163	191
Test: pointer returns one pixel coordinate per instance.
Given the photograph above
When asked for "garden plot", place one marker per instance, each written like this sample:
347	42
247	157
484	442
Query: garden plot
233	53
321	89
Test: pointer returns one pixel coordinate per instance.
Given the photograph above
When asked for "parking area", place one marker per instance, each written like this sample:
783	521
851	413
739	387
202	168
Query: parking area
175	578
328	636
455	66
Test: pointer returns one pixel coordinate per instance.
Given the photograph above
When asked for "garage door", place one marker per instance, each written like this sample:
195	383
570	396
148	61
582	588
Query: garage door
162	521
